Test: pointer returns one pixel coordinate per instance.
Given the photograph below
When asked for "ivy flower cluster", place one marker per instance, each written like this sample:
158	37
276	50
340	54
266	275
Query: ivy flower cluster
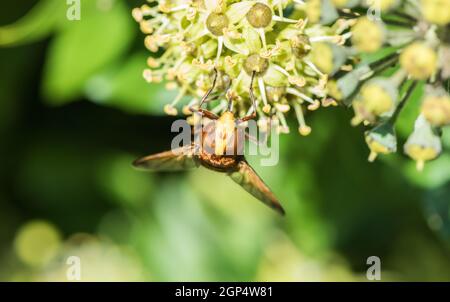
370	55
275	42
409	41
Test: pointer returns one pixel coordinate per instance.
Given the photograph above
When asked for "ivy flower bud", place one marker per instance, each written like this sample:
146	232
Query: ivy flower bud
301	45
367	35
381	140
216	23
255	63
423	144
436	11
376	98
313	10
321	11
436	109
419	60
259	16
328	57
274	94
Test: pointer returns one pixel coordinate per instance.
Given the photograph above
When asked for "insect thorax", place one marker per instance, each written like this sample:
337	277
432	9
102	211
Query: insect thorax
222	138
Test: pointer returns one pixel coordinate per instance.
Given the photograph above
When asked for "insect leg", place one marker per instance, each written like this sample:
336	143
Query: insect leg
210	89
252	98
230	100
205	112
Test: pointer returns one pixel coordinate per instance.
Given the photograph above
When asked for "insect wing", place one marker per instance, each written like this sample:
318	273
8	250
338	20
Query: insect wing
173	160
252	183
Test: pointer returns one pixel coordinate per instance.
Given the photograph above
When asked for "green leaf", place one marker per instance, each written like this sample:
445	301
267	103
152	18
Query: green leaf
446	137
124	87
84	47
405	123
131	92
36	24
367	58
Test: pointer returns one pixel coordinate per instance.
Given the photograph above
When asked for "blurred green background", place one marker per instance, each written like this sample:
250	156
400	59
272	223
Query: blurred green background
75	112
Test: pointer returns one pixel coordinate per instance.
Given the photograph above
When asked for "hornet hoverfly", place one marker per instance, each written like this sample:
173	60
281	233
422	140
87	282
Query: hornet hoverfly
211	152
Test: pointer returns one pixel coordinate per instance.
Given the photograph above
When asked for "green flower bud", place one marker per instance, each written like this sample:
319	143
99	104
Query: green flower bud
301	46
423	144
381	140
436	11
419	60
255	63
323	11
367	35
376	98
216	23
260	15
328	57
436	108
274	94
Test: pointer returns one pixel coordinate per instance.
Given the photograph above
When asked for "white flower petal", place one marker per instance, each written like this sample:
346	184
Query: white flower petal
237	11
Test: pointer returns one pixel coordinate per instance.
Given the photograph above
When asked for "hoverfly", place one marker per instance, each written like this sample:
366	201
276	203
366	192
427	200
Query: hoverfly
212	153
